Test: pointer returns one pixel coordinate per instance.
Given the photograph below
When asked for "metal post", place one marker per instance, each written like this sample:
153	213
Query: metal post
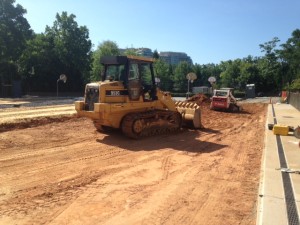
57	88
62	77
188	88
188	93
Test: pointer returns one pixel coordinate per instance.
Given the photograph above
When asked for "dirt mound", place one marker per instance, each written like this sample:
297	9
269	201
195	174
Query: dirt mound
199	99
33	122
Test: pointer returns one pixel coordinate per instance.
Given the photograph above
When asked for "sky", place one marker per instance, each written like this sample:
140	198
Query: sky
209	31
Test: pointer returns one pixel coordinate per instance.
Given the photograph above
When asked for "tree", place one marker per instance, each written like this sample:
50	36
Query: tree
290	55
269	47
229	77
295	85
270	67
72	47
203	72
14	31
180	80
39	64
130	51
106	48
163	72
155	54
250	74
197	68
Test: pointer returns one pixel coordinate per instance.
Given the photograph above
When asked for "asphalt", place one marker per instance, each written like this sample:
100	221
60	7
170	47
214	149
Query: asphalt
279	192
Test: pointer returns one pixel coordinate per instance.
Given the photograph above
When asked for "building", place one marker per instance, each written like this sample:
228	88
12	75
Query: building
175	58
146	52
202	90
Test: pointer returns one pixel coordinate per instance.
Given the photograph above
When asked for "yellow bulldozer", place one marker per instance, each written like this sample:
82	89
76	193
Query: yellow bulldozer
128	99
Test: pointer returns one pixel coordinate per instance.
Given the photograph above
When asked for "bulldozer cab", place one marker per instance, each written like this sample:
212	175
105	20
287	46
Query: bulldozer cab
135	73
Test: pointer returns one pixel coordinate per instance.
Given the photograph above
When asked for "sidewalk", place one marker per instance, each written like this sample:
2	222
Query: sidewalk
34	101
279	193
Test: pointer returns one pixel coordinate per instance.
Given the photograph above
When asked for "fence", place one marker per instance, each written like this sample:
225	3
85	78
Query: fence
294	99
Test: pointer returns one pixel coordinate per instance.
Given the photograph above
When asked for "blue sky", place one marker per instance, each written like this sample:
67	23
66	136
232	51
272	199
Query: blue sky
208	31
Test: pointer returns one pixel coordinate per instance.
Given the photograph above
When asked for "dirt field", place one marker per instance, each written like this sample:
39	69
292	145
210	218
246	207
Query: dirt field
64	172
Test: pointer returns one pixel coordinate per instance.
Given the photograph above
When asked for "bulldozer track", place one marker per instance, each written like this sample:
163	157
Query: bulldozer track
136	125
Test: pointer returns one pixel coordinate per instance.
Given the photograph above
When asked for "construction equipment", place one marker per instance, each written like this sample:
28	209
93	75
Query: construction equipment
127	99
223	99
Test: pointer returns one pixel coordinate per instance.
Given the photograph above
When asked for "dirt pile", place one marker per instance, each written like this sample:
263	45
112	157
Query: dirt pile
200	99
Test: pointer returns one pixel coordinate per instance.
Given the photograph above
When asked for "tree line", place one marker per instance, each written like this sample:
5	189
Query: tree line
65	48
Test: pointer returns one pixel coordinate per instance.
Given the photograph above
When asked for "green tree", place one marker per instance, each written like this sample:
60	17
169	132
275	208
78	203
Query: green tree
180	80
73	49
239	72
14	31
155	54
130	51
290	55
229	77
295	85
8	72
249	74
106	48
205	71
39	64
163	72
270	67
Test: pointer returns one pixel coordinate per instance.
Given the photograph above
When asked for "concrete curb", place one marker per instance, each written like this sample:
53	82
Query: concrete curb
272	205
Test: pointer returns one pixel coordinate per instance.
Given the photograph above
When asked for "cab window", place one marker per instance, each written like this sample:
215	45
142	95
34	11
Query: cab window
146	73
115	72
133	71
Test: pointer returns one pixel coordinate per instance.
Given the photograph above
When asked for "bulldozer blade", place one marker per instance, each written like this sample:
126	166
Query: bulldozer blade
191	114
297	133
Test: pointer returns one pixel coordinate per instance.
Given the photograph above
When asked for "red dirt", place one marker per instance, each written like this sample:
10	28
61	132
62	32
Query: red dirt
200	99
67	173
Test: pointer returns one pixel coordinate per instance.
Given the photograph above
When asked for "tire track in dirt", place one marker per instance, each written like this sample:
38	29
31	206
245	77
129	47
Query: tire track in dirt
53	193
66	173
158	218
51	199
173	200
178	206
103	155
